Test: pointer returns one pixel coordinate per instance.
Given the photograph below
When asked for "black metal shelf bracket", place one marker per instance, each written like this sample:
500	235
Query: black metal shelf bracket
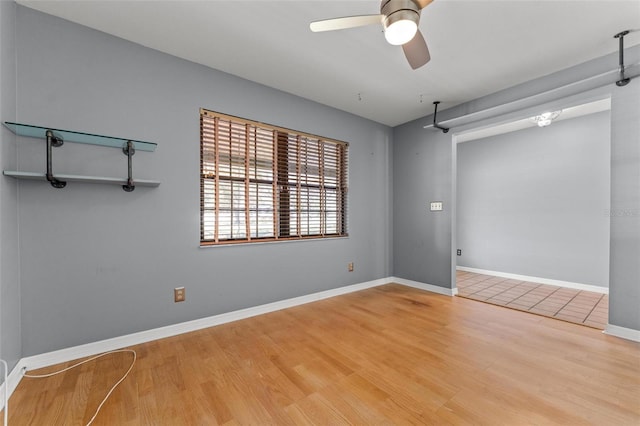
622	81
53	141
435	114
129	150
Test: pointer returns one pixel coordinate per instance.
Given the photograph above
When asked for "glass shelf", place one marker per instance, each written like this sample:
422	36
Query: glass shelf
77	178
77	137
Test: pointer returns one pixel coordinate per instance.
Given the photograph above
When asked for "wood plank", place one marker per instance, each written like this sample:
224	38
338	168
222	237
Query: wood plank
385	355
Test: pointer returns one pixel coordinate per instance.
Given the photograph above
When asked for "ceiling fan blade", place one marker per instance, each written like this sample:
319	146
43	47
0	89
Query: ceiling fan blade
423	3
345	22
416	51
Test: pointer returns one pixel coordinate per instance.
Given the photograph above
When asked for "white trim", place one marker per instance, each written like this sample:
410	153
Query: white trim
259	242
94	348
68	354
427	287
566	284
622	332
13	380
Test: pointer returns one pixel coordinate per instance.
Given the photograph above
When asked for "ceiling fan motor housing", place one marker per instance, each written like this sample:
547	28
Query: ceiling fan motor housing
397	10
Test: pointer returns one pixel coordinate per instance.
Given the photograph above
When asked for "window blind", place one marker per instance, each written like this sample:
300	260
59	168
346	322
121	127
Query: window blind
265	183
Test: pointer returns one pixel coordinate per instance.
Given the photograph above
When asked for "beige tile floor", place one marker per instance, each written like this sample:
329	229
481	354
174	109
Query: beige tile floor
577	306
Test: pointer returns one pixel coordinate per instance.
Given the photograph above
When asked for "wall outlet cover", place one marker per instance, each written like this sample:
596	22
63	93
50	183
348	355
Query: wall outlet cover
178	294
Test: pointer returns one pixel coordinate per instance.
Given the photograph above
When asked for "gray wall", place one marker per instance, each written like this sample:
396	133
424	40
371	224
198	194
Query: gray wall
624	276
97	262
424	168
534	202
10	333
422	172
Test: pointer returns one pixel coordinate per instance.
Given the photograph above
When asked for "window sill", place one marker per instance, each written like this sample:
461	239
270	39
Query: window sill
261	243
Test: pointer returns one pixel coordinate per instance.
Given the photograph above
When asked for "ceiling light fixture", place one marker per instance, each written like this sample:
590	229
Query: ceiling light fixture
399	19
400	27
545	118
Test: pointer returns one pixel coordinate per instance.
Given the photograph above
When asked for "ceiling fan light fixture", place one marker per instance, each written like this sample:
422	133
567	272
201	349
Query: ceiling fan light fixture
401	26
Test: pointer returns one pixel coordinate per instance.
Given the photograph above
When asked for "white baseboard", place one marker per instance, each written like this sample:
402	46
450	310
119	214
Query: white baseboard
89	349
622	332
13	379
94	348
558	283
428	287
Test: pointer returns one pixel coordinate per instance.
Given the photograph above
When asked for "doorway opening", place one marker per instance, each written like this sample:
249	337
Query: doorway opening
532	224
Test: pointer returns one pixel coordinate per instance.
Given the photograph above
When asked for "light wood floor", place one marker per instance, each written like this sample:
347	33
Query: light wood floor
387	355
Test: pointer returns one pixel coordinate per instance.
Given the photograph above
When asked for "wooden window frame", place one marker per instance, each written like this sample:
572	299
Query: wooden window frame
251	170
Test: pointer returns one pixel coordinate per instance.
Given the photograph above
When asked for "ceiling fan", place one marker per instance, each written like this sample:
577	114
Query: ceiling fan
399	19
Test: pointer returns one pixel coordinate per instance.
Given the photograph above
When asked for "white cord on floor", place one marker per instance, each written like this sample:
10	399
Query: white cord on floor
6	392
41	376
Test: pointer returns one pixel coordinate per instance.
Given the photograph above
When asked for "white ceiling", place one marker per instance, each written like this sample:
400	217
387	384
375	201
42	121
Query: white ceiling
477	46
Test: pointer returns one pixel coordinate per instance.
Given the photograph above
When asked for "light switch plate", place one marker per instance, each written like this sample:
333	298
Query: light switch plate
436	206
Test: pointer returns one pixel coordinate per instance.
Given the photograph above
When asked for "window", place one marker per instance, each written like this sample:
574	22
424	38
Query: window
264	183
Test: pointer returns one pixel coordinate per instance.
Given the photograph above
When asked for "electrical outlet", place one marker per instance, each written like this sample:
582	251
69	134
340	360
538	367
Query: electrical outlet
178	294
435	206
459	252
350	266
